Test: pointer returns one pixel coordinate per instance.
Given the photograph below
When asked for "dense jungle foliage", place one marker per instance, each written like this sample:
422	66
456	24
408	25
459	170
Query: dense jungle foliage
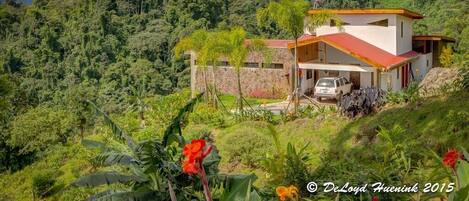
55	55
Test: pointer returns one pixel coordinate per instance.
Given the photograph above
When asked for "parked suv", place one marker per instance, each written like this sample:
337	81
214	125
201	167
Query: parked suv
332	87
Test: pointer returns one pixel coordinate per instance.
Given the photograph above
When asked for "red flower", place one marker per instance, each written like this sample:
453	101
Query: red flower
190	167
451	157
193	151
194	155
375	198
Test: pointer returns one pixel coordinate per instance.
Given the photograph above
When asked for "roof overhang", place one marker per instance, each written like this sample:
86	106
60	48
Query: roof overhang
434	38
335	67
360	50
397	11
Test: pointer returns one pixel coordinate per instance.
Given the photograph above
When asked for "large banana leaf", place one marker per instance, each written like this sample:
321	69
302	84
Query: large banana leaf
173	131
116	129
239	188
113	195
106	178
113	158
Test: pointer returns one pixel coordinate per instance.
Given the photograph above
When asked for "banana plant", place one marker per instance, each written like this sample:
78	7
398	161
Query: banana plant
151	169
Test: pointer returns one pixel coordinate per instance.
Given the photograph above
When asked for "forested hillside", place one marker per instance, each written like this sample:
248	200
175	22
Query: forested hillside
55	54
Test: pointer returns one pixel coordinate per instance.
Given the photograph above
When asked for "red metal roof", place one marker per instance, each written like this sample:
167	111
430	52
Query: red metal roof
274	43
360	49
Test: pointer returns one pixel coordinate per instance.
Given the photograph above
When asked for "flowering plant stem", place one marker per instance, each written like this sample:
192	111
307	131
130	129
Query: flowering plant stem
203	178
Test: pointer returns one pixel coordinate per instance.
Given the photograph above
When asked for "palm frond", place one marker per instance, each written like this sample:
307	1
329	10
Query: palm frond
116	129
106	178
173	131
92	144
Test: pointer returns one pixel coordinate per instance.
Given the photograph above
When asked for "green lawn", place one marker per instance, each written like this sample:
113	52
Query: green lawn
230	101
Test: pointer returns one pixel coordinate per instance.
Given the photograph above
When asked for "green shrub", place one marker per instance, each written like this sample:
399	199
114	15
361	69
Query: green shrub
40	128
43	184
410	94
203	133
204	114
246	145
458	122
255	115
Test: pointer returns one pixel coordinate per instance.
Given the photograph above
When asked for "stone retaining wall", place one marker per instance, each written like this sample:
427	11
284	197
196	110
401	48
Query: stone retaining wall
255	82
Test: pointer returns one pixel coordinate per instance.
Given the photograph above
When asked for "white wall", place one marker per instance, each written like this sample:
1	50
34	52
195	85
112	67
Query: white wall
334	55
365	79
421	64
382	37
390	79
404	44
386	38
306	83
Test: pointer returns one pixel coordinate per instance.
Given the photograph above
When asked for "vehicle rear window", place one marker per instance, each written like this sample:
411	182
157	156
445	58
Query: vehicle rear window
325	83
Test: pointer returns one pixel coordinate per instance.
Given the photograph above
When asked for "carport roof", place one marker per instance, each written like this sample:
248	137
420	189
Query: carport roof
359	49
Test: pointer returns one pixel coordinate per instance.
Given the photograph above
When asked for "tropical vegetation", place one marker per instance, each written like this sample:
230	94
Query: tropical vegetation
94	105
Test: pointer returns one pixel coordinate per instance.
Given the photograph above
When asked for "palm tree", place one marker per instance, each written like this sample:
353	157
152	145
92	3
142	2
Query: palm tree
196	42
212	51
292	16
233	45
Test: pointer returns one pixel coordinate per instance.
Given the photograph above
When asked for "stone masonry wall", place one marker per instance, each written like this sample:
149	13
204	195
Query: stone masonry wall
255	82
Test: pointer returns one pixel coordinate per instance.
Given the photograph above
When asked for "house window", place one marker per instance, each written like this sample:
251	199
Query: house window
273	65
251	64
428	63
383	23
309	74
223	63
397	73
402	29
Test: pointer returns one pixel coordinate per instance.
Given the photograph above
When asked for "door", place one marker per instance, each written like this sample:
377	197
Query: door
355	80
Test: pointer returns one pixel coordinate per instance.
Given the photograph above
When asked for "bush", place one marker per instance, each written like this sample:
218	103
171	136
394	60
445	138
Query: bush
458	122
245	144
255	115
40	128
410	94
204	114
43	184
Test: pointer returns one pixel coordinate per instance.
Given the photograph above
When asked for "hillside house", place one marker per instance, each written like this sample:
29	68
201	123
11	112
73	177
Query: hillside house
373	47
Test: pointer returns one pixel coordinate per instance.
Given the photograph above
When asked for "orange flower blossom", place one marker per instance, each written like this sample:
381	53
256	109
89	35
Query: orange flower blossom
194	155
286	192
451	157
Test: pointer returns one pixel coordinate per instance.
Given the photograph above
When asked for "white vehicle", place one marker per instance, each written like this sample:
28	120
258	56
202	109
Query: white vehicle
332	87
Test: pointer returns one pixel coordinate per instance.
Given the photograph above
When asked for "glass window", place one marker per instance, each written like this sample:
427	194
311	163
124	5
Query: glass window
402	29
342	81
325	83
251	65
273	65
223	63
